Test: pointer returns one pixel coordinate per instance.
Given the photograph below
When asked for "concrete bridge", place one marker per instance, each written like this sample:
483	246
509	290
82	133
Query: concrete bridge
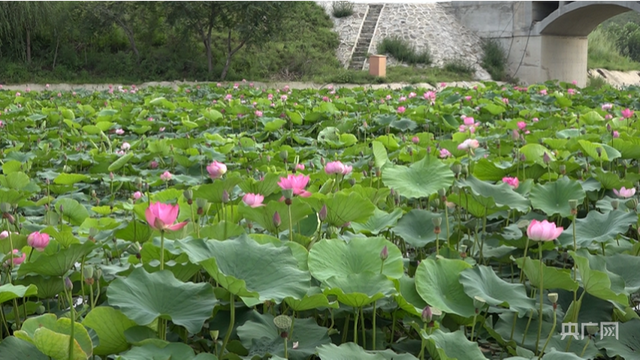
544	40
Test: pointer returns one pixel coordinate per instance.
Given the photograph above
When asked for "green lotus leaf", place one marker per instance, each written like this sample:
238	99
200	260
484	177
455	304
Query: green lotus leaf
350	351
144	297
482	281
343	208
358	290
534	153
57	264
171	351
72	211
10	292
596	283
451	346
437	282
409	300
553	278
598	227
51	336
110	325
55	345
246	268
622	339
13	348
421	179
502	194
69	179
262	337
416	228
314	299
380	221
553	198
624	266
330	257
264	215
379	154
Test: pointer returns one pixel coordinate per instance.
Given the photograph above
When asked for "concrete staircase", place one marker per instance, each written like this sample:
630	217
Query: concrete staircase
364	39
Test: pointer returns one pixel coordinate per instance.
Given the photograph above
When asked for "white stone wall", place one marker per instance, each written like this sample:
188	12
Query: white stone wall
427	24
348	28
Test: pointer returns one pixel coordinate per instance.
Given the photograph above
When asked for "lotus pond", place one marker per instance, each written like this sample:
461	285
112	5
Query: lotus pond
231	222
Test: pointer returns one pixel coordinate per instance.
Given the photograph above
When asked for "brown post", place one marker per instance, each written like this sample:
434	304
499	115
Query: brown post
378	65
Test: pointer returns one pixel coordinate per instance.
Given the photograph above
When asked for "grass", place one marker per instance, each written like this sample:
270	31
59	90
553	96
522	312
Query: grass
406	74
402	51
341	9
494	59
604	54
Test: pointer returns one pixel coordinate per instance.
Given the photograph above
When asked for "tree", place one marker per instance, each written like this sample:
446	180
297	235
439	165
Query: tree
20	20
251	22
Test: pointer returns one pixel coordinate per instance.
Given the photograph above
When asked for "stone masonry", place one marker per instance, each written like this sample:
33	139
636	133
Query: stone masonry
422	25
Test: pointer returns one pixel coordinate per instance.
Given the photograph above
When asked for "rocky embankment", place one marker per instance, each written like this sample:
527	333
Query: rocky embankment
617	78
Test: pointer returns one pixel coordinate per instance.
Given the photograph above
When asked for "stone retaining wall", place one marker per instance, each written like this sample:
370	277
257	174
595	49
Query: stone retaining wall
422	25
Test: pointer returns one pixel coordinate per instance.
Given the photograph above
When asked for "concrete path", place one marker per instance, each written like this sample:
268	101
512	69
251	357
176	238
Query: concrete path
273	85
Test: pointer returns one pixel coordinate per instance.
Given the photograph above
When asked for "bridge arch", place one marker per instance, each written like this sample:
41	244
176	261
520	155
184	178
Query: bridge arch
580	18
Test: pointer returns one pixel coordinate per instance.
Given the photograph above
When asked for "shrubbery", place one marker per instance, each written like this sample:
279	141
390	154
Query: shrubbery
341	9
494	59
404	52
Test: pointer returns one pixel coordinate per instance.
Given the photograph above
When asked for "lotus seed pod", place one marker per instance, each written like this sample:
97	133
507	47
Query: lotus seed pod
287	193
573	204
442	192
284	155
188	195
614	204
632	204
282	322
436	203
87	272
553	297
563	169
436	221
5	207
479	302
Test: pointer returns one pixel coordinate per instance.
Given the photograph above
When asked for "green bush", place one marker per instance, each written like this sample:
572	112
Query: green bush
459	66
604	49
341	9
494	59
402	51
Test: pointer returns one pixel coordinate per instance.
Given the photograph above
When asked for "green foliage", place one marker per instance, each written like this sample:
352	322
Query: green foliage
341	9
459	66
604	50
402	51
494	59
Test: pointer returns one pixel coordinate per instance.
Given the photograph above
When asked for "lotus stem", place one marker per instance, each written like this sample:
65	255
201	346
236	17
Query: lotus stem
355	327
526	329
541	300
374	326
524	261
162	250
473	326
364	337
73	320
232	320
553	328
290	224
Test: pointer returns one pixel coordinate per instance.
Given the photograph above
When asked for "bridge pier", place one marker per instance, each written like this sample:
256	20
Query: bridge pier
543	40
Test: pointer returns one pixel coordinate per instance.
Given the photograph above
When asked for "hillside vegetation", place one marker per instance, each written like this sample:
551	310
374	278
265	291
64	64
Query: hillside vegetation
615	44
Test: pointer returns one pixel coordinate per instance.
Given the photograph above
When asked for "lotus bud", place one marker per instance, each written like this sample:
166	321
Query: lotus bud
276	220
384	254
573	204
98	273
632	204
436	203
201	204
284	155
599	151
322	161
410	151
523	158
188	194
427	314
9	217
614	204
214	335
456	168
545	158
225	196
322	215
352	182
68	285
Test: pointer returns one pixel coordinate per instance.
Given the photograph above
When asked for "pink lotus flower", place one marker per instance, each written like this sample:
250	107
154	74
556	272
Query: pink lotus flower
334	167
608	117
253	200
415	139
412	95
166	176
15	260
125	146
4	234
543	92
258	113
388	97
216	169
624	192
162	216
522	125
431	96
468	98
347	170
38	240
505	101
543	230
297	183
571	91
153	164
270	96
444	153
575	82
401	109
228	97
469	121
18	93
616	134
283	97
469	144
119	131
137	195
607	106
511	181
535	120
300	167
627	113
